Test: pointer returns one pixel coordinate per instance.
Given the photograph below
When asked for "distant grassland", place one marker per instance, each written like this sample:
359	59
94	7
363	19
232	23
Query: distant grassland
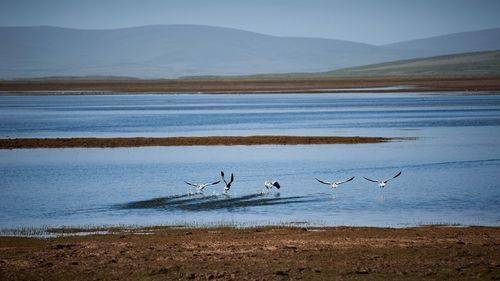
478	63
478	71
183	141
292	83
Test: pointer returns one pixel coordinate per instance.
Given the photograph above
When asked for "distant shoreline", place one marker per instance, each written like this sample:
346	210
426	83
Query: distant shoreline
250	85
184	141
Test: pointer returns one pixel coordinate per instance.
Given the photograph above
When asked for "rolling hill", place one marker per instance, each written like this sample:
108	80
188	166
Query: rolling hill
173	51
463	42
477	63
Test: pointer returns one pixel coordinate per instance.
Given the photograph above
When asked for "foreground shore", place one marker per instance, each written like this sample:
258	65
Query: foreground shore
258	84
266	253
184	141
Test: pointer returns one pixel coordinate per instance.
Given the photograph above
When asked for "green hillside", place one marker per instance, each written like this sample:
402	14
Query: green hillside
478	63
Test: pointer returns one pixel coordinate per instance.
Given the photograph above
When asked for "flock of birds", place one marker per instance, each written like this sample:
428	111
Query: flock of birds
270	184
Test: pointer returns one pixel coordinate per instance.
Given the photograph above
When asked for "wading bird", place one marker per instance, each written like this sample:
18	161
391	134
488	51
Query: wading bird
382	183
271	184
201	186
336	183
227	184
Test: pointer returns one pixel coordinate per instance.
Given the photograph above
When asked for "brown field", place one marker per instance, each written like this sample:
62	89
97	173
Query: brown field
267	253
184	141
257	84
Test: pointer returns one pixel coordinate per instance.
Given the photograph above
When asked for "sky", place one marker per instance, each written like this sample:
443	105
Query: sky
368	21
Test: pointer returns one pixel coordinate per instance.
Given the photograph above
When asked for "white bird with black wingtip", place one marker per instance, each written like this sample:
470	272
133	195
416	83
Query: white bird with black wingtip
227	184
272	183
383	183
201	186
334	184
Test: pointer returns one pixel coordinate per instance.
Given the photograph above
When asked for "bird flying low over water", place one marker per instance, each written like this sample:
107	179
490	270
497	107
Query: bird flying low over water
227	184
382	183
271	184
201	186
336	183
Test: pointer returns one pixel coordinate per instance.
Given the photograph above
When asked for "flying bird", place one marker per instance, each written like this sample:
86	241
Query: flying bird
227	184
201	186
382	183
271	184
336	183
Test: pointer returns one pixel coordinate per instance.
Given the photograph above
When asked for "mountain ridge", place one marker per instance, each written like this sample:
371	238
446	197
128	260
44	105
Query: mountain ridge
453	43
171	51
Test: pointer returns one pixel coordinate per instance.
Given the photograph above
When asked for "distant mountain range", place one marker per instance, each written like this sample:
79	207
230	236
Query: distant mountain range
169	51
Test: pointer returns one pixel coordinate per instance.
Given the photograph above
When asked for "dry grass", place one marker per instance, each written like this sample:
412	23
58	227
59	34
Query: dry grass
183	141
283	83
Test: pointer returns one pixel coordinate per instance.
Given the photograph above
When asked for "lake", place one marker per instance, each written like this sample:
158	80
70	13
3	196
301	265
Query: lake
451	172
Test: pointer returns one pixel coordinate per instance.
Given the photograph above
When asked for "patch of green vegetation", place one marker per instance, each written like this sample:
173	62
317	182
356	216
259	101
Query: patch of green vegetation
479	63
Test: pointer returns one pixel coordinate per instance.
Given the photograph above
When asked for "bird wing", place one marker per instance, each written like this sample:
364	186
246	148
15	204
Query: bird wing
323	182
222	175
190	184
276	184
395	176
231	180
370	180
213	183
348	180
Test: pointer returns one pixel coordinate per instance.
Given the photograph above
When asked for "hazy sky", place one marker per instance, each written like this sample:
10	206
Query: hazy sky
369	21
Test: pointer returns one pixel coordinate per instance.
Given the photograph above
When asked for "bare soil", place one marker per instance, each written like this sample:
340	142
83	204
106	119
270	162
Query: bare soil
267	253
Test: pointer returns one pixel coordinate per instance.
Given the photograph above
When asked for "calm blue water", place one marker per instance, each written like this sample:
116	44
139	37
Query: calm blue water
451	173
